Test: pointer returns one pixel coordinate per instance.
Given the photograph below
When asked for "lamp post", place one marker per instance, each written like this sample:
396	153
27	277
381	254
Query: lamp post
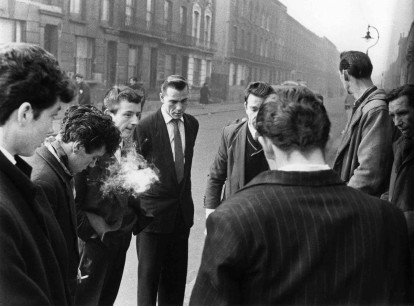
368	36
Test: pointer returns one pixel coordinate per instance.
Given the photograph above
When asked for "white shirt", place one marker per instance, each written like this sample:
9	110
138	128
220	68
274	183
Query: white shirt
304	167
8	155
170	127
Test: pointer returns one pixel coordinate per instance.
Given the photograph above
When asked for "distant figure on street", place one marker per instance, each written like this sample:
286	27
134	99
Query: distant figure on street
85	135
297	235
205	94
34	258
140	90
364	156
240	156
166	138
401	191
84	95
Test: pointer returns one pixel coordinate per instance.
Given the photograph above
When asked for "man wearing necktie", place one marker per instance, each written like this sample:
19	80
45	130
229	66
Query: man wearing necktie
166	138
240	156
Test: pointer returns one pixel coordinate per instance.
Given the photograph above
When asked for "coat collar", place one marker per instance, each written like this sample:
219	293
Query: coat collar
296	178
19	174
378	94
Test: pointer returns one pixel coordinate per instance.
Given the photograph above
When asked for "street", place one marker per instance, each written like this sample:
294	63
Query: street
212	119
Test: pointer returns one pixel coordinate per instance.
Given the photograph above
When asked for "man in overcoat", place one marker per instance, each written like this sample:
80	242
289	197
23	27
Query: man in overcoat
364	156
34	258
85	135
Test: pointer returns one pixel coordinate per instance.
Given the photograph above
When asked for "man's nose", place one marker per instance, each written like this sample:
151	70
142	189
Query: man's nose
134	120
93	162
179	106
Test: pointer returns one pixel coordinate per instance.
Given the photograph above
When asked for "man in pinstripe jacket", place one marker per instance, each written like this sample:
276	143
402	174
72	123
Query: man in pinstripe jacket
297	234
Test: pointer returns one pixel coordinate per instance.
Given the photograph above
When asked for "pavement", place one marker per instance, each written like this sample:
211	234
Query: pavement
196	109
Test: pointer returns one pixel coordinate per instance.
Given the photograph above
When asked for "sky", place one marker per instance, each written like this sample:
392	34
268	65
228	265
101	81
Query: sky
345	22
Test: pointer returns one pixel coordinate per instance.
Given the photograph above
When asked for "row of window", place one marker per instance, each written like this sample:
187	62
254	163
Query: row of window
77	7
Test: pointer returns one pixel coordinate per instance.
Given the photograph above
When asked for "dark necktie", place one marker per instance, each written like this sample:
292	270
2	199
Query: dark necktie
178	151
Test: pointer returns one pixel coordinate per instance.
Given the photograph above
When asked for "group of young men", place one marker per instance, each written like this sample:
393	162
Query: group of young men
284	227
303	233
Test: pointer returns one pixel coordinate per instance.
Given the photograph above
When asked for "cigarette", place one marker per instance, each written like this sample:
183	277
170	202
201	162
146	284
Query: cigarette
85	276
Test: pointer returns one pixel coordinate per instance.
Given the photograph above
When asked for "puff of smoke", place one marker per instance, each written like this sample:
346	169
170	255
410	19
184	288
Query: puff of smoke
132	176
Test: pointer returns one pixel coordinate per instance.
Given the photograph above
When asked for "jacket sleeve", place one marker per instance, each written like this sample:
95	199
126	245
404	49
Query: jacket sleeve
374	153
223	259
217	175
16	287
85	230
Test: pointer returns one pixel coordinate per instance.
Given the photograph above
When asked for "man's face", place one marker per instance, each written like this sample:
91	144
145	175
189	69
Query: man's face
78	80
131	82
403	116
175	101
126	117
252	106
38	129
79	160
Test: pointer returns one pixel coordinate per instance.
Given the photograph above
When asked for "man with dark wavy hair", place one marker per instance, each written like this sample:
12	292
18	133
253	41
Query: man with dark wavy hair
240	156
85	135
106	222
297	234
364	156
33	260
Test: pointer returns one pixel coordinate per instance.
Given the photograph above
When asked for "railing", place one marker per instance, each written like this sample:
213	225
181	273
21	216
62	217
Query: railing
144	26
247	55
190	41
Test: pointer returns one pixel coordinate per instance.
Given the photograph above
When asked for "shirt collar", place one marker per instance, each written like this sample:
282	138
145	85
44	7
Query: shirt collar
8	155
304	167
252	130
167	117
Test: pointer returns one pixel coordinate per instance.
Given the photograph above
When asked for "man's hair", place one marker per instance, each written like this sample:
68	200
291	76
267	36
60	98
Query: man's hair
135	79
116	94
78	75
298	120
356	63
28	73
175	81
91	128
405	90
258	89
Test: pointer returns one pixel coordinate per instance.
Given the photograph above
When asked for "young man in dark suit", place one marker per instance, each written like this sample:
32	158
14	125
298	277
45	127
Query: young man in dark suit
106	221
34	257
240	156
297	234
166	138
85	135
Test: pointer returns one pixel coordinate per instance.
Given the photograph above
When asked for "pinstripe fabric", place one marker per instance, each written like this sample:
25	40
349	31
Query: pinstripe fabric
303	238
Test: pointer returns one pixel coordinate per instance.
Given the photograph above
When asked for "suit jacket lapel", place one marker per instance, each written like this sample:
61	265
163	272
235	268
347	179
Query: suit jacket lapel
238	150
163	140
54	164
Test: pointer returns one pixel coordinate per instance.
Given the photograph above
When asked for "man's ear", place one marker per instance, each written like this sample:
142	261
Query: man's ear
161	97
76	147
25	113
346	75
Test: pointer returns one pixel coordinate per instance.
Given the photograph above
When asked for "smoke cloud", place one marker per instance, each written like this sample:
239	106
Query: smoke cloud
132	175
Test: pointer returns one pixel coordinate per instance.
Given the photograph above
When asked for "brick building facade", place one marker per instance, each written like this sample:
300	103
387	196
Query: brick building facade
110	41
258	40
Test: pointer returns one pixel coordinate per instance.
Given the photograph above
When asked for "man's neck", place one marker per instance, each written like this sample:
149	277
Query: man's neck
296	157
361	86
5	140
